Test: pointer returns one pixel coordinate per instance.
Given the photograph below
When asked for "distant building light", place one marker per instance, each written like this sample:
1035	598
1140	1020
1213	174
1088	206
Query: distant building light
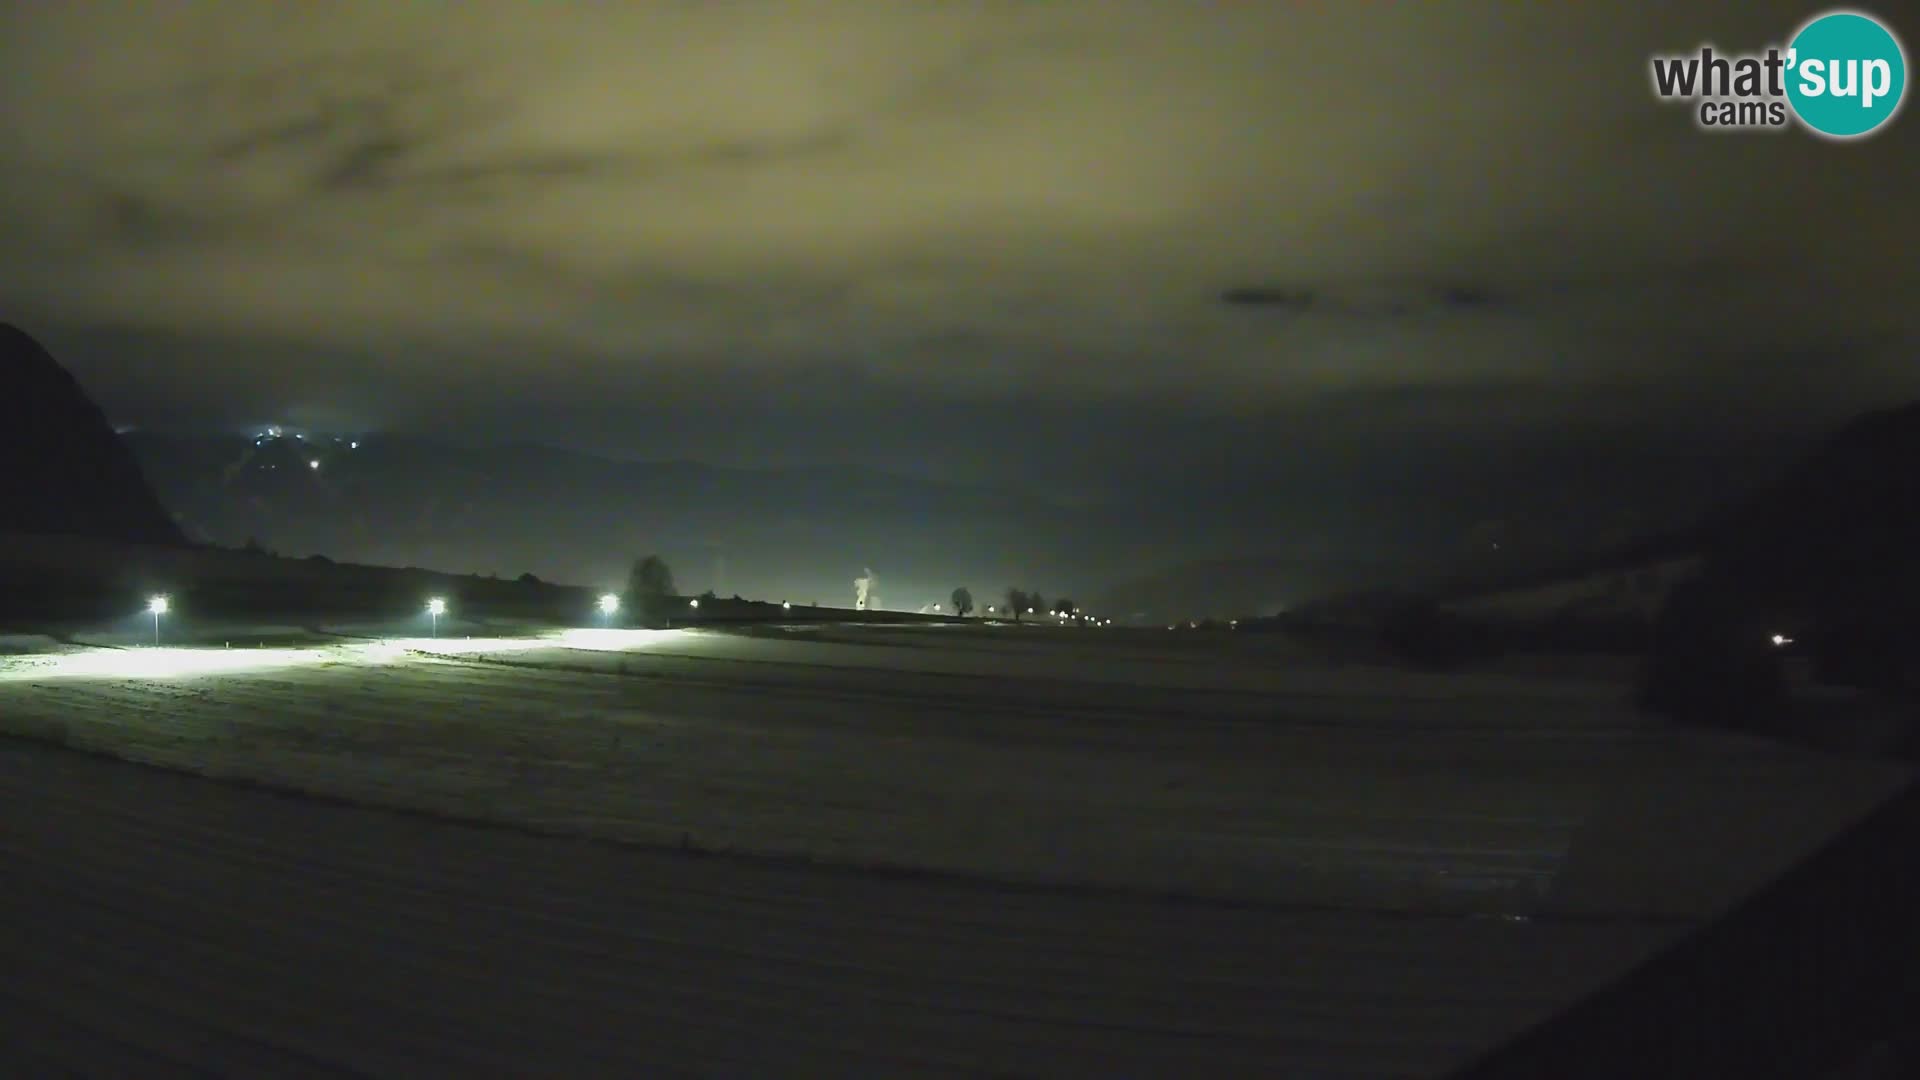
353	446
314	464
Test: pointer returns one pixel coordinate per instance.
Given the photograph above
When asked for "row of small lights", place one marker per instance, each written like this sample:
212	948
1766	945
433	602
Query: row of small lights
610	603
436	607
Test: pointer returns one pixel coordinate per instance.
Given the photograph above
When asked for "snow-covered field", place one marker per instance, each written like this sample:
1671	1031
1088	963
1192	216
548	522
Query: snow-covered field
1416	864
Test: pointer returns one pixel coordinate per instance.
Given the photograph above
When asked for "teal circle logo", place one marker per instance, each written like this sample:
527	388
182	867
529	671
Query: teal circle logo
1846	74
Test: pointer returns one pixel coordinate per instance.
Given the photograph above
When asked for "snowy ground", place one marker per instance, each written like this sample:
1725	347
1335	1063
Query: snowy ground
1421	863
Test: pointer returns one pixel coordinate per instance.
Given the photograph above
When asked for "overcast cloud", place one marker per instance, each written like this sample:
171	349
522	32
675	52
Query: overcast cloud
545	217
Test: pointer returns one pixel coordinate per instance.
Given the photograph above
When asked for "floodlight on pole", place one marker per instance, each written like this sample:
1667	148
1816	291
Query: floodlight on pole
609	603
436	607
694	603
157	606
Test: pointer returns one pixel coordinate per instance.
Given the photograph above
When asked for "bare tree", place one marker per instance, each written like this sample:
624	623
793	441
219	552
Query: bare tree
963	601
1017	601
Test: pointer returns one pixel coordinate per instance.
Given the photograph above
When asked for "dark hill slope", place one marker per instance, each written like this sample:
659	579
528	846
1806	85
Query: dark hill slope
63	470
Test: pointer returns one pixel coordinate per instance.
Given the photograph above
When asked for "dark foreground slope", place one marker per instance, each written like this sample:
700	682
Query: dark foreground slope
170	926
63	470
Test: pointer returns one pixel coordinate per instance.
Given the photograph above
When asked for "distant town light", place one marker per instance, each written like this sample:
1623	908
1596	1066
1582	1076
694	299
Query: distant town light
1781	640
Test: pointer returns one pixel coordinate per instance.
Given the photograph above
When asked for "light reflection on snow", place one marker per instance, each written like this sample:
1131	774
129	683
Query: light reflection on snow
162	663
156	663
615	640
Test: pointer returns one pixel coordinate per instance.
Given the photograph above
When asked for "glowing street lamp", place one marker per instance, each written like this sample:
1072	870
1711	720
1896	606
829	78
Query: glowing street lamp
609	604
694	603
436	607
786	605
157	606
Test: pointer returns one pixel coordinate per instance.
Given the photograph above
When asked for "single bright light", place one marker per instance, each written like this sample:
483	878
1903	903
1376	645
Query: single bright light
1782	639
353	446
314	464
609	604
786	605
1029	611
694	603
436	606
157	605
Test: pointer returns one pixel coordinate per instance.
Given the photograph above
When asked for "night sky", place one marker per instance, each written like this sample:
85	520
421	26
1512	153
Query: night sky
1084	246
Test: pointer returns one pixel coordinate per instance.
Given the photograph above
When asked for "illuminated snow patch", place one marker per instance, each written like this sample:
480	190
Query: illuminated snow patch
156	663
614	640
456	646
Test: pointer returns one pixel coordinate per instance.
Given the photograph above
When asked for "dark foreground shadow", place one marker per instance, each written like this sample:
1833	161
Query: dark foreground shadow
1808	978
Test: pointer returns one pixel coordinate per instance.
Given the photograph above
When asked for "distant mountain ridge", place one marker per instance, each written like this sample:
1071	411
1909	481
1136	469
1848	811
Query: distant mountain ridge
801	534
63	469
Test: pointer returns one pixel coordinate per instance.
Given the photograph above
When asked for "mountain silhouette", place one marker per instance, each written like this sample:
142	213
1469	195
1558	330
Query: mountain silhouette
63	470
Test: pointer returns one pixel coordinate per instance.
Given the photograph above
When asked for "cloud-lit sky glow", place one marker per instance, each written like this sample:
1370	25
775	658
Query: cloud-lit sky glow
619	224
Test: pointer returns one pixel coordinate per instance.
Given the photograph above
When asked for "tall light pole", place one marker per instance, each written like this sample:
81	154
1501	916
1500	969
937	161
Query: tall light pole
608	605
158	607
436	607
